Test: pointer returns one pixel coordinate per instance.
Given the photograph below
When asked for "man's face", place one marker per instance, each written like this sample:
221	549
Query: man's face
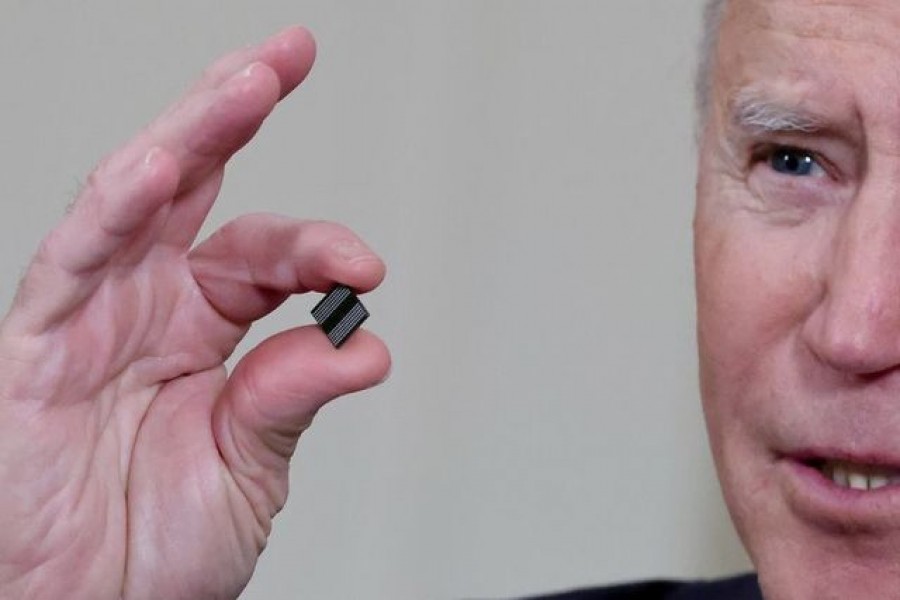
797	249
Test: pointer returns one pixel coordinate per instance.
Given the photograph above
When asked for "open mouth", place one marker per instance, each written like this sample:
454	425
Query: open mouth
852	493
856	476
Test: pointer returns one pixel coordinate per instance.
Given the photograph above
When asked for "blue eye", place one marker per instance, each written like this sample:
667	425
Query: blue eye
793	162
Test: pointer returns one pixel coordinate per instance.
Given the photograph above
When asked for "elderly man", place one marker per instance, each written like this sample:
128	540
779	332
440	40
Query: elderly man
797	234
146	472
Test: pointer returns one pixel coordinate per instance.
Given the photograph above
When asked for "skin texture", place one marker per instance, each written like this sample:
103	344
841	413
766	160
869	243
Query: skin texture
133	465
798	287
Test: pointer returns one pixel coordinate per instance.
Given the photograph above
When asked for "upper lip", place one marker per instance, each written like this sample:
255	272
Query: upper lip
815	456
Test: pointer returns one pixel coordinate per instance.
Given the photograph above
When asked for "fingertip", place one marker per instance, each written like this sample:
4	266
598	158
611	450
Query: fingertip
372	272
291	53
126	197
161	171
255	77
357	265
362	362
294	373
299	37
373	362
228	120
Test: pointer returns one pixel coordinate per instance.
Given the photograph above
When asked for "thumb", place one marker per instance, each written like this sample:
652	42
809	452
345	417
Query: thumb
273	395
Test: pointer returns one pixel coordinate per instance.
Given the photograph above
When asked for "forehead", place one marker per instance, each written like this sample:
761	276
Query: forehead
833	56
869	22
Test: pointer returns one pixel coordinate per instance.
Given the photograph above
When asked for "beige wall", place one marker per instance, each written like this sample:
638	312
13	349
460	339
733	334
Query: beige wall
526	169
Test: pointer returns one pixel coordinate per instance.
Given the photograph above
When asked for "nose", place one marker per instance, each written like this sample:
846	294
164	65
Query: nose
855	329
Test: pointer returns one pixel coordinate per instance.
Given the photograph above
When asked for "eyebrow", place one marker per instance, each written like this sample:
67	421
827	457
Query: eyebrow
753	111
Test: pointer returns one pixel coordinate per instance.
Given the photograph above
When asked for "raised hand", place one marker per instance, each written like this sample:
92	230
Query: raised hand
131	464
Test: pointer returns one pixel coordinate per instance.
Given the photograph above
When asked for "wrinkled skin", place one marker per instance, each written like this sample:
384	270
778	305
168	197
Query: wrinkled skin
798	286
133	465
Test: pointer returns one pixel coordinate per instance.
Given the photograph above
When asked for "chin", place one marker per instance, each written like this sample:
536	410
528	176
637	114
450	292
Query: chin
799	570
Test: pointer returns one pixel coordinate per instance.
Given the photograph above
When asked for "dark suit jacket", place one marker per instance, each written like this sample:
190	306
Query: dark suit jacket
744	587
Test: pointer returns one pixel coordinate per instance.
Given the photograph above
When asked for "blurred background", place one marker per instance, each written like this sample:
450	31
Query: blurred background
526	170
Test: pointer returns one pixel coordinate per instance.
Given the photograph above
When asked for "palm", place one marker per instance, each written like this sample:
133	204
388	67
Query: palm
136	466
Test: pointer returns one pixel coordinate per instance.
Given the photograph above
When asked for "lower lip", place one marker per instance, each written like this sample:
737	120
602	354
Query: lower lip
818	499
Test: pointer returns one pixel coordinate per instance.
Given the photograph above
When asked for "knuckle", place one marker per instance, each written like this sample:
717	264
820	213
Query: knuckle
95	185
92	184
105	166
46	246
49	250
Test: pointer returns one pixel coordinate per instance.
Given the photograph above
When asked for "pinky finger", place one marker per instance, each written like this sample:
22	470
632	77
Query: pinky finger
110	215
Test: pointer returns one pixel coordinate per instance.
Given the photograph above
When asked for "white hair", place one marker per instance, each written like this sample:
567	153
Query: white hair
712	20
755	112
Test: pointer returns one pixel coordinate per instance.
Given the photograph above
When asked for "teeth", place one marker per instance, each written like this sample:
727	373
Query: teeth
859	477
839	476
858	481
877	481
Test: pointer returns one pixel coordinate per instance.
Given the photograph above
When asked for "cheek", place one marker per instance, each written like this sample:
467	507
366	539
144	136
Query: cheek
755	288
756	285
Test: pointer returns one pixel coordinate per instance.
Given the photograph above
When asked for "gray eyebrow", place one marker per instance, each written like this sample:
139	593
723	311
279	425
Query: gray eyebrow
755	112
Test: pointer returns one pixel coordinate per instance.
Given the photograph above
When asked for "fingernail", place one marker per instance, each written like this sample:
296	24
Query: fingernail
150	157
351	250
249	70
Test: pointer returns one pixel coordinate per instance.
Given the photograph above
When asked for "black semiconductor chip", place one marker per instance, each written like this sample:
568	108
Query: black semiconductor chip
339	314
